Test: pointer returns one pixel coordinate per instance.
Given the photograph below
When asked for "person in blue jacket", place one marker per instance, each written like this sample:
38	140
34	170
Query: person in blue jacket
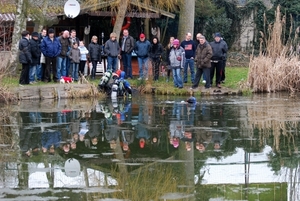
51	48
142	48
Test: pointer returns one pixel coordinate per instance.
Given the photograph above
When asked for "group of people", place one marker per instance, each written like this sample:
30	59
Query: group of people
43	54
209	58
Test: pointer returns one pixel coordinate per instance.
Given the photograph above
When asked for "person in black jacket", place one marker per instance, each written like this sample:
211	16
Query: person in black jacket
24	57
219	48
95	55
36	56
155	54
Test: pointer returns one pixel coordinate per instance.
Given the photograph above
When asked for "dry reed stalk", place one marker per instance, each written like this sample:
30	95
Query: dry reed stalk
271	120
276	68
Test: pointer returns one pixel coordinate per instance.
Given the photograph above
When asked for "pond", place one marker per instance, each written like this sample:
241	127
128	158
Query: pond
153	148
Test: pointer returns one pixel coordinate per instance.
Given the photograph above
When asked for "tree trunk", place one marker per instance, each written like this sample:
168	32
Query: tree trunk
44	10
122	9
19	26
186	19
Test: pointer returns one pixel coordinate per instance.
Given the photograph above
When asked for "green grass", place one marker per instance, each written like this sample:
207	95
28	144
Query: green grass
234	75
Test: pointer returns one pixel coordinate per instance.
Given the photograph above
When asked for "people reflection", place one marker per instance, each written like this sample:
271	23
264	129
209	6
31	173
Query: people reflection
30	139
177	124
127	137
218	139
143	125
188	139
202	138
50	140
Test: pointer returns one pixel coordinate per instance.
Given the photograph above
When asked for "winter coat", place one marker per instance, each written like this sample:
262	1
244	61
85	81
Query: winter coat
83	53
203	55
129	44
142	48
74	55
35	51
65	45
219	50
95	51
177	57
112	48
155	51
50	48
25	51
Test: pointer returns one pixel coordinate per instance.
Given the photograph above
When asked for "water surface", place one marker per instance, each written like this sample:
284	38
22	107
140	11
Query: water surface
158	147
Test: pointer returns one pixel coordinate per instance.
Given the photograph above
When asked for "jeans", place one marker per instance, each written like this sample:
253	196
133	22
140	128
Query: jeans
143	66
94	68
127	68
74	73
61	67
32	71
112	63
40	71
177	77
68	64
189	62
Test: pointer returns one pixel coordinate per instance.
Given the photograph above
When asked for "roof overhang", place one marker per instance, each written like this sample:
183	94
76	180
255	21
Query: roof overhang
155	12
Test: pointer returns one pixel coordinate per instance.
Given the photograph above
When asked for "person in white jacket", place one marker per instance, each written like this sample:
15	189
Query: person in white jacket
83	57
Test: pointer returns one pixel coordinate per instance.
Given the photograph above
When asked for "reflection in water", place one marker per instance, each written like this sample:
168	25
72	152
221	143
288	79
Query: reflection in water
161	148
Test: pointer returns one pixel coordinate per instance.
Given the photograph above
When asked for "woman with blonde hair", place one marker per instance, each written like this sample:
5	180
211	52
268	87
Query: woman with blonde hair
167	61
112	50
95	54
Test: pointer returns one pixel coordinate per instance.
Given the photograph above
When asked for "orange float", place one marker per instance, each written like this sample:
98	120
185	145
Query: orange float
126	26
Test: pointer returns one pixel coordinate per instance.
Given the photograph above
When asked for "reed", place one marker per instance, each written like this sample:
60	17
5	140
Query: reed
277	66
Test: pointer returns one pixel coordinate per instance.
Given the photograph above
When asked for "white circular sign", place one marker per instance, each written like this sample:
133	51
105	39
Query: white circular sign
72	8
72	167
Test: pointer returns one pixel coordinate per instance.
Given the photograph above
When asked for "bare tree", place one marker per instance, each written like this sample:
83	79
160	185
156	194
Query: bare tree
19	26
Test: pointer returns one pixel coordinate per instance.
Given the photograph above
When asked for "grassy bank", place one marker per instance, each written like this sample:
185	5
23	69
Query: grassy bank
234	75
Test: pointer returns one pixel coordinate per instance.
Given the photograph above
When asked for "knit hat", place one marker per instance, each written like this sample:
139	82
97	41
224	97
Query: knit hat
142	35
176	42
35	34
50	31
175	143
218	35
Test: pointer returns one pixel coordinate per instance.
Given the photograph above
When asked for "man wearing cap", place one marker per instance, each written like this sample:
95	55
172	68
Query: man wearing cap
36	56
142	48
203	64
189	47
127	46
219	48
51	48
